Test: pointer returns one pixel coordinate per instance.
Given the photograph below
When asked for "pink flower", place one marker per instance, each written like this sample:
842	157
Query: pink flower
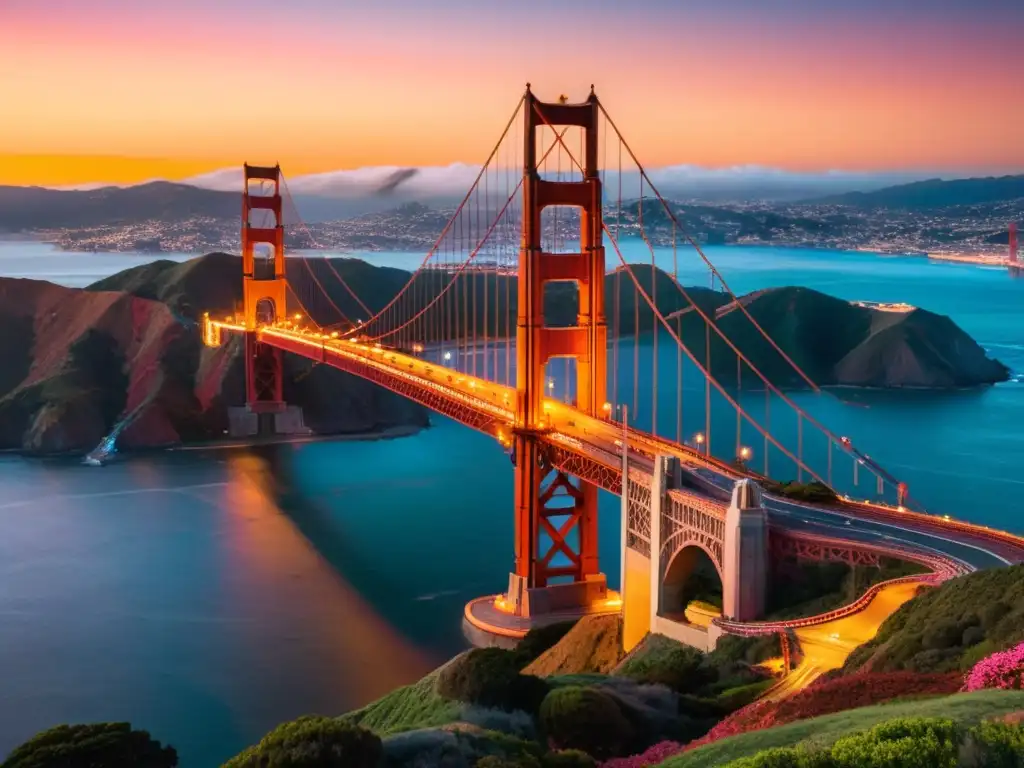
653	756
1003	669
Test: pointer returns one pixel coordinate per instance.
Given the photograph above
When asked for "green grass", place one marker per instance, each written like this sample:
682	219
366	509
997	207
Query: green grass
967	708
404	709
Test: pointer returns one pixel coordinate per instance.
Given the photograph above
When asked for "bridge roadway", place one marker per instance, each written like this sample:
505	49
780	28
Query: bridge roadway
591	448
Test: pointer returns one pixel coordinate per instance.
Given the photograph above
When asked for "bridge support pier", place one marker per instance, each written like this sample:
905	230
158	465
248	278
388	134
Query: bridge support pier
745	554
659	525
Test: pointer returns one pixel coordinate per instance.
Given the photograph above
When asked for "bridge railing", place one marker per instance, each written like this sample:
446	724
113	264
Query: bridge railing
942	568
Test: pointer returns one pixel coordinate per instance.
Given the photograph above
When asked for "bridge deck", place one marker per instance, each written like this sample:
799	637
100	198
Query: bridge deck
591	448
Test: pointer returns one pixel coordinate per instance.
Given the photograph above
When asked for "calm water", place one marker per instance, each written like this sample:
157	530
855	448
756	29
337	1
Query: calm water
208	595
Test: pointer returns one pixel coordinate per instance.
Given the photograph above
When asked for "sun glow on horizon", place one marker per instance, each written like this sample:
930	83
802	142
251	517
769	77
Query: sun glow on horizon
124	93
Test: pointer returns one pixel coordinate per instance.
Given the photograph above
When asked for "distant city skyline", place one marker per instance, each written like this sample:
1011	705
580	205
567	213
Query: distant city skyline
118	91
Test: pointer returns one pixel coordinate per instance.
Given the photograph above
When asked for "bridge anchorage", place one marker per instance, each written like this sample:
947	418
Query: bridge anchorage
506	298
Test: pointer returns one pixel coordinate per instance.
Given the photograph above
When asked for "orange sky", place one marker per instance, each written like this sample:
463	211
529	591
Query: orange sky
125	91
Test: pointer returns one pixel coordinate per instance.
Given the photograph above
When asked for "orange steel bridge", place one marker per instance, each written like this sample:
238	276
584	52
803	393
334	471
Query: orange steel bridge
514	325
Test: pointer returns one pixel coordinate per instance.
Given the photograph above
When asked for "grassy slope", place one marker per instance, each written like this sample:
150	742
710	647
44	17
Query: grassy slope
412	706
821	731
950	627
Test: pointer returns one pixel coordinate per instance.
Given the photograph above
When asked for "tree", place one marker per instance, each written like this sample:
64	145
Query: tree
313	742
110	745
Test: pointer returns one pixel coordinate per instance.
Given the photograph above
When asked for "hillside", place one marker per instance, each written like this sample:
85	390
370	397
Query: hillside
835	342
950	627
24	209
936	193
76	362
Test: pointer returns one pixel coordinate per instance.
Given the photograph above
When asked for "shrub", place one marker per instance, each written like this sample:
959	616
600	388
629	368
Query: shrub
494	761
568	758
972	636
993	745
834	696
311	742
539	640
992	599
674	665
584	718
652	756
110	745
902	743
489	677
905	743
1004	669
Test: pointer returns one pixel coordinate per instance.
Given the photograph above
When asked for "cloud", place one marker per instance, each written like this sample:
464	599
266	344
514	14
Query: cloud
453	181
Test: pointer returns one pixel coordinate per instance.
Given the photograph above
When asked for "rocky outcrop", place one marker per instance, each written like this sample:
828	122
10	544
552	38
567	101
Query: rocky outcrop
77	362
840	344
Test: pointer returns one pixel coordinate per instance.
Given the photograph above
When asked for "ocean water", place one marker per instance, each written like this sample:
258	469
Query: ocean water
207	595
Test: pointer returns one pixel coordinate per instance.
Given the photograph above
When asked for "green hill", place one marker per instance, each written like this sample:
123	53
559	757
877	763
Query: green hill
835	342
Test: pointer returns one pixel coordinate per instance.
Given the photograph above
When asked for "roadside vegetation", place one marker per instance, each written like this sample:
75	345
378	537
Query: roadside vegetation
943	681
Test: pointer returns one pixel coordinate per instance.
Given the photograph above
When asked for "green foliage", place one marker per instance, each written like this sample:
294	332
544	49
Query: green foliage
494	761
993	745
489	677
813	492
586	719
751	650
968	709
902	743
950	627
540	639
313	742
568	758
97	745
665	662
808	588
905	743
413	706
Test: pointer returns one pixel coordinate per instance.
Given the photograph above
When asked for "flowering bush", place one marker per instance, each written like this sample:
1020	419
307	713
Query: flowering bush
652	756
1004	669
833	696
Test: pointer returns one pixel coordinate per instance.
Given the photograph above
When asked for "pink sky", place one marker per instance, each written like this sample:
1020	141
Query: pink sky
175	89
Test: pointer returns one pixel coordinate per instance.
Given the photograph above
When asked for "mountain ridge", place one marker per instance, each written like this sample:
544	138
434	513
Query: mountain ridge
936	193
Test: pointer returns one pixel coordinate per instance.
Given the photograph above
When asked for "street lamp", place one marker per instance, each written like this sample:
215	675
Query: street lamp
744	454
699	440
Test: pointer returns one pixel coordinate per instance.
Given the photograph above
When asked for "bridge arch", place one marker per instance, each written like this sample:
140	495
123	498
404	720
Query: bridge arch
692	571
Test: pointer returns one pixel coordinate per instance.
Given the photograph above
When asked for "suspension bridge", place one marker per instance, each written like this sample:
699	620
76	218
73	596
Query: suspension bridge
595	379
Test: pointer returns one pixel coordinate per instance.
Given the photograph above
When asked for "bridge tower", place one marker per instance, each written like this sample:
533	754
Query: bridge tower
264	290
539	585
1013	243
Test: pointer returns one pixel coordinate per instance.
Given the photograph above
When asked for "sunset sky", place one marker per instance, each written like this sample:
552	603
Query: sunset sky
128	90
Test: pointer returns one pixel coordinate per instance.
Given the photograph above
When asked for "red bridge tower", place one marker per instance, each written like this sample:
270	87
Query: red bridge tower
264	290
1013	242
534	588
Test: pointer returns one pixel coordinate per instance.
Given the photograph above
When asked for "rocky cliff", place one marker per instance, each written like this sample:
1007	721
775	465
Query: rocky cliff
76	362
